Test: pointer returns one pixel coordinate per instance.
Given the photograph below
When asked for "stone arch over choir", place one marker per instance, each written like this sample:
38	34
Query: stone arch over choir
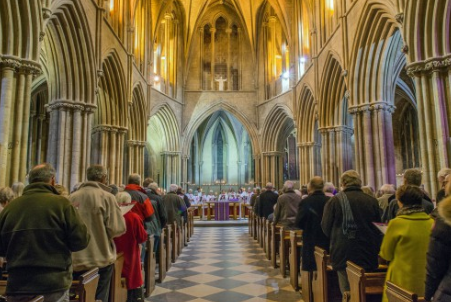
163	146
335	122
309	138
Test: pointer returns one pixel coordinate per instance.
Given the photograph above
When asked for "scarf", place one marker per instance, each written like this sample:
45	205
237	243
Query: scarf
349	227
410	210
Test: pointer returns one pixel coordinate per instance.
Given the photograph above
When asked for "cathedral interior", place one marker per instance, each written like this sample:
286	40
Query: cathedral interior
231	93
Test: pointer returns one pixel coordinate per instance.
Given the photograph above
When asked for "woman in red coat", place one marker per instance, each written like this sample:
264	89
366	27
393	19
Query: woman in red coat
129	245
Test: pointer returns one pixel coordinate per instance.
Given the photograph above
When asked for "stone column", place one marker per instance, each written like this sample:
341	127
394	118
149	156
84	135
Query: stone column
201	58
167	28
229	59
213	61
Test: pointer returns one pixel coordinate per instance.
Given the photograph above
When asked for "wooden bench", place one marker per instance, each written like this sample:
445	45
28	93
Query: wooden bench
295	246
168	240
175	242
162	256
275	238
118	287
268	235
396	293
364	287
86	285
149	266
264	234
284	250
325	286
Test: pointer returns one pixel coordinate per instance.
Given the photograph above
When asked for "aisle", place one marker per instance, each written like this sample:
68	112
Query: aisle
223	264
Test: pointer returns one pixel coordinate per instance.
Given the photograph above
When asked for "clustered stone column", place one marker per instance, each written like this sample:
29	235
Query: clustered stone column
432	79
136	157
307	161
171	168
375	158
15	94
69	146
109	142
336	151
271	167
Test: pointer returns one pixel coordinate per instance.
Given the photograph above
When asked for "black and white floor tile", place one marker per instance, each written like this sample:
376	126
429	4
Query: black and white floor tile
223	264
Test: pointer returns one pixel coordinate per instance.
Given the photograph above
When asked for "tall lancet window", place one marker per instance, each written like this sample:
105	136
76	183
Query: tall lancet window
219	140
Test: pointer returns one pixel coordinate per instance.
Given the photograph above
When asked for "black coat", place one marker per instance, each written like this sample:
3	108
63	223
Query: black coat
308	219
363	250
266	203
438	276
160	209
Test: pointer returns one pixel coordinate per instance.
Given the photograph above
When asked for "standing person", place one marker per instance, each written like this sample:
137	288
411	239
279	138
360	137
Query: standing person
39	230
347	221
185	199
18	188
267	200
287	206
411	177
101	214
441	175
406	242
438	268
387	191
6	196
308	219
128	244
174	205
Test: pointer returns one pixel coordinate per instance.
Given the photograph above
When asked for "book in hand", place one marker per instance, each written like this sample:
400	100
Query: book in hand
381	226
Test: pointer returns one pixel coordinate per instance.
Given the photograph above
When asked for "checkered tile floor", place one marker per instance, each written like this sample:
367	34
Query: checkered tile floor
223	264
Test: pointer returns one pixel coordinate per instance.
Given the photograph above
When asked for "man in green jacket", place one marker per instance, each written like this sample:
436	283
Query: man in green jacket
38	233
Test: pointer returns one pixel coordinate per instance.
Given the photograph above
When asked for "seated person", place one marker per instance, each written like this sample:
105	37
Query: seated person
406	242
129	244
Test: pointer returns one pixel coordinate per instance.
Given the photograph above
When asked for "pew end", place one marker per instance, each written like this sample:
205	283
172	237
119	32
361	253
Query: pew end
396	293
85	287
364	286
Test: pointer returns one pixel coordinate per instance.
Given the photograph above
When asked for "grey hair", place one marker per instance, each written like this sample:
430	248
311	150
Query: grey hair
17	188
351	178
134	179
6	195
288	185
388	189
269	185
123	197
41	173
173	188
96	172
329	187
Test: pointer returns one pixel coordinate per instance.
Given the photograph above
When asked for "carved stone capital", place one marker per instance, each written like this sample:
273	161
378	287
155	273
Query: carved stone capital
400	18
441	64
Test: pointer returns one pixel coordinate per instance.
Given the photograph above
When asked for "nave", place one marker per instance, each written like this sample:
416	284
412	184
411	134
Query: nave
223	264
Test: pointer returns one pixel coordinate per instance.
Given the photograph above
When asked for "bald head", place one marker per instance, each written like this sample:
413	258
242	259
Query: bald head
42	173
269	186
315	184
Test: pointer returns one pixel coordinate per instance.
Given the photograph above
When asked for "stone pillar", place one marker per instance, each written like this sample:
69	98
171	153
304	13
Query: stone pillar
167	28
212	71
433	79
229	59
201	58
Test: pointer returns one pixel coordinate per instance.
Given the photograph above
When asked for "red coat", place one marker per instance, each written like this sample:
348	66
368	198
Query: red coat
129	245
143	207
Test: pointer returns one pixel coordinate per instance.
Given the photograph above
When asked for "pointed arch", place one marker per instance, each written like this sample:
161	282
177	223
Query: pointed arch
137	121
276	128
165	117
201	115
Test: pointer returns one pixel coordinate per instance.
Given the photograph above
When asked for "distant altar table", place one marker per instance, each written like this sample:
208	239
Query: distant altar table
222	209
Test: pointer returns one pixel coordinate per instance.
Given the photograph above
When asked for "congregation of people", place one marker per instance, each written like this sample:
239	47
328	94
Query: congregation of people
399	227
49	237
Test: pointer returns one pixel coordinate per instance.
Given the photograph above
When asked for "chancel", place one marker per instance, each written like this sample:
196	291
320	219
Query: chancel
235	103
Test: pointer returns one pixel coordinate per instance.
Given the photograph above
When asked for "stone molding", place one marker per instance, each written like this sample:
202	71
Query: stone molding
69	105
273	153
132	143
441	64
20	65
375	106
172	153
109	128
341	128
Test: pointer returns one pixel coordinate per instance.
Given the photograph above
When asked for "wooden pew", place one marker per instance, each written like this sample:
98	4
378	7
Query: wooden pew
364	287
295	246
86	285
250	223
275	238
162	256
118	287
149	266
175	242
397	294
37	299
168	240
264	234
325	286
268	239
284	249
